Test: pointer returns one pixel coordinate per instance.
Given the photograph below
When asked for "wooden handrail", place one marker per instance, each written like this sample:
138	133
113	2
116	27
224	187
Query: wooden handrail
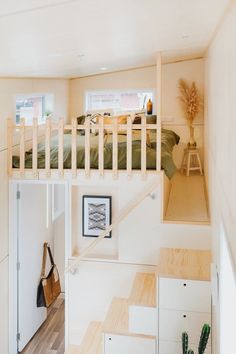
44	132
123	214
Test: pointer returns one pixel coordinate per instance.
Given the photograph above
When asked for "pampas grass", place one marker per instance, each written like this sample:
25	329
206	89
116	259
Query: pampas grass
190	99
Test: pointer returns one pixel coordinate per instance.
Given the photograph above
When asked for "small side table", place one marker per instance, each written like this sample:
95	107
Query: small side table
191	161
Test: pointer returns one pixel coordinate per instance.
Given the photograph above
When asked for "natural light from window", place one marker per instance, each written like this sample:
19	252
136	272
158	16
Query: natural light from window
118	101
33	106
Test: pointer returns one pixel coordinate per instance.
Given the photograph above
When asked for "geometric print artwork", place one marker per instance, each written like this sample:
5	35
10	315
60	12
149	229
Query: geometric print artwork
96	215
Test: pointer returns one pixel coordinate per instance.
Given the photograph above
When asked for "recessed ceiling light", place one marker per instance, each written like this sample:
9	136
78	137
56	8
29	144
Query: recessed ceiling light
103	68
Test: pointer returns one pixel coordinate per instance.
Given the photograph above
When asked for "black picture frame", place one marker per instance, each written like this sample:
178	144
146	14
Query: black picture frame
87	231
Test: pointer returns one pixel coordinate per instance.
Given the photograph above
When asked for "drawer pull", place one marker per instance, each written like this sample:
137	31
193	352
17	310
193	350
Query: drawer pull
109	338
185	284
184	316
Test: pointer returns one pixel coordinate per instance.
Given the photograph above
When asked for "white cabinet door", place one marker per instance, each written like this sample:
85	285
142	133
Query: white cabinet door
33	232
173	323
120	344
187	295
176	348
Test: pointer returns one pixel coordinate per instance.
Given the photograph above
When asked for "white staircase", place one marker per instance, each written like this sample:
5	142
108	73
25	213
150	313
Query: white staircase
183	304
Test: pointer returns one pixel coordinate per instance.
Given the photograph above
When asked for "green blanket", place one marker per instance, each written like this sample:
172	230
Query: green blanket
169	139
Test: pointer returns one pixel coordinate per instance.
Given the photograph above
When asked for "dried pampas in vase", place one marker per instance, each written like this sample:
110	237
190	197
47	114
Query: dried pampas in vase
192	103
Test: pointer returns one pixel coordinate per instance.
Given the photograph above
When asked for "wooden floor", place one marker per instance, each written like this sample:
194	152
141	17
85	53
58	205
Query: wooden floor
187	200
50	338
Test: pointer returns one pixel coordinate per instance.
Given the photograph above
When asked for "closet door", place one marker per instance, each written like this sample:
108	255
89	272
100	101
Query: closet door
33	231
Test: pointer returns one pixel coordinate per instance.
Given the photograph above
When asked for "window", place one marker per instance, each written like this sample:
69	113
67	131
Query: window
118	101
33	106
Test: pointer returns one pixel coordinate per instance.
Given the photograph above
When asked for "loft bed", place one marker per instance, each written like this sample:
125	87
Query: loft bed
128	143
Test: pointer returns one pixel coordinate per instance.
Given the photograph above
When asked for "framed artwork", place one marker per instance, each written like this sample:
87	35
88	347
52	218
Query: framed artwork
96	215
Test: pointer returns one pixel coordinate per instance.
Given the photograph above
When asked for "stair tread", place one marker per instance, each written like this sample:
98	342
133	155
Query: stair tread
117	319
185	263
73	349
143	292
92	341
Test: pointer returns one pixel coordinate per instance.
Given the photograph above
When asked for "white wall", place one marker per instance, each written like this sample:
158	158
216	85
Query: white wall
227	300
8	89
192	70
129	79
139	237
172	114
220	159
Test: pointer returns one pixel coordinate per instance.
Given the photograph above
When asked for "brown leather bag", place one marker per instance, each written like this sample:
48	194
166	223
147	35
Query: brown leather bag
49	286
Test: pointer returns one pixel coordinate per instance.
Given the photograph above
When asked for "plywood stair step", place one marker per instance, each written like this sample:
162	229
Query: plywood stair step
143	292
92	342
117	319
73	349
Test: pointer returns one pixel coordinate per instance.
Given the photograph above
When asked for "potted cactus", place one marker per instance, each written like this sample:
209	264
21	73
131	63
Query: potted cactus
205	333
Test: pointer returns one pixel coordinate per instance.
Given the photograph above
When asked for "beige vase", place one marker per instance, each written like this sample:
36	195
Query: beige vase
192	142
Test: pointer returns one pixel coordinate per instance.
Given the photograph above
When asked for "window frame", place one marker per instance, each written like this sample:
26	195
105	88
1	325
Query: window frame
43	96
118	91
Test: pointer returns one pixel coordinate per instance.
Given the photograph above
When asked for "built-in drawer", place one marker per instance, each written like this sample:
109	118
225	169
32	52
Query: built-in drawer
173	323
176	348
181	294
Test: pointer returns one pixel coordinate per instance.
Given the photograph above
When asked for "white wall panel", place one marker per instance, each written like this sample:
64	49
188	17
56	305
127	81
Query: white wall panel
220	152
3	205
4	307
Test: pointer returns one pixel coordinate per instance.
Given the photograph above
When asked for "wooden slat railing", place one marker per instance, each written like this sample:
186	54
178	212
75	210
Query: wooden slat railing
61	147
134	203
22	147
35	147
30	135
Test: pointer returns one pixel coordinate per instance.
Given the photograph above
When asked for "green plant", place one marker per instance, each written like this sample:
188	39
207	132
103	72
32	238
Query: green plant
206	329
185	342
205	333
47	113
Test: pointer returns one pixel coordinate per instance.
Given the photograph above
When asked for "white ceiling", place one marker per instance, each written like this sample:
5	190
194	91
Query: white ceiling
71	38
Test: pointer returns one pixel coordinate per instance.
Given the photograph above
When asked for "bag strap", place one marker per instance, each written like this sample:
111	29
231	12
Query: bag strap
46	248
50	255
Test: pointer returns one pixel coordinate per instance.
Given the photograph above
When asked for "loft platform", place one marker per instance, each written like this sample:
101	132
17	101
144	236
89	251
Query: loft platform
186	200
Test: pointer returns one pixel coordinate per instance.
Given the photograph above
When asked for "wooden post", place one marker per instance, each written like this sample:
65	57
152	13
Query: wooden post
101	146
115	148
143	147
48	147
87	147
129	147
74	148
61	147
22	147
158	113
9	145
35	148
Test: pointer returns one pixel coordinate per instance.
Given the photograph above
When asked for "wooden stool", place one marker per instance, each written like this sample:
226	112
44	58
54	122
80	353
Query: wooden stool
191	161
